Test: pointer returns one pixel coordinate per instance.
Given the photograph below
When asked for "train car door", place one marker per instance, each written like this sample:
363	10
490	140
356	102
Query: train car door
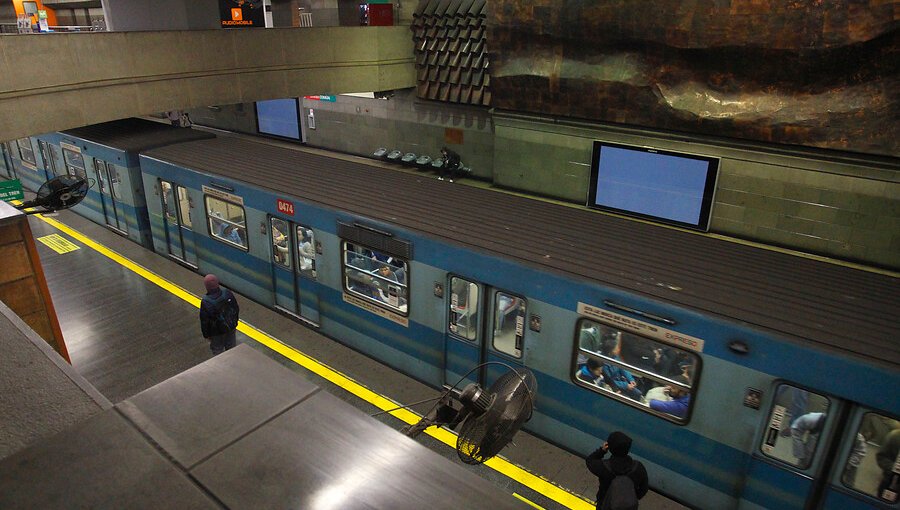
795	448
179	228
294	269
484	325
110	193
865	472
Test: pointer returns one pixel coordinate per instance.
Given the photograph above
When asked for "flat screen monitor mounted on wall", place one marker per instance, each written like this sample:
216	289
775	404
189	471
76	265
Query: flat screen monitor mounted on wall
668	187
278	117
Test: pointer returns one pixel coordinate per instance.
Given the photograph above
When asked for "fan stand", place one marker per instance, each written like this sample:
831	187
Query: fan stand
444	413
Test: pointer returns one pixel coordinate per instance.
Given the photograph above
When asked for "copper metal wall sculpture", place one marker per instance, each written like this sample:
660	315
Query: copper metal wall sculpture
816	73
451	53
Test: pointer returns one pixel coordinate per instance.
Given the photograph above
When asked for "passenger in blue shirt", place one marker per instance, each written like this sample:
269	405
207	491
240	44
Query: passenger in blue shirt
681	399
591	372
619	379
234	235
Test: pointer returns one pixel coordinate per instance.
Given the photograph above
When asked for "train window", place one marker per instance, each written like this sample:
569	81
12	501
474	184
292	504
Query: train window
227	221
463	308
509	323
184	206
99	170
376	277
26	151
47	156
873	463
794	425
168	202
115	181
636	369
281	249
74	163
306	251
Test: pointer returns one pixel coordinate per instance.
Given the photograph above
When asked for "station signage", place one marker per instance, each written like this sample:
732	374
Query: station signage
285	207
330	99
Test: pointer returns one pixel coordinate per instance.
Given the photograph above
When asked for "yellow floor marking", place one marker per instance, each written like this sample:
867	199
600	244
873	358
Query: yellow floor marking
535	505
58	243
510	470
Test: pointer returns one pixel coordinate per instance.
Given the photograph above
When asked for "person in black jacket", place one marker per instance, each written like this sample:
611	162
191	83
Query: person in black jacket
451	164
618	444
220	337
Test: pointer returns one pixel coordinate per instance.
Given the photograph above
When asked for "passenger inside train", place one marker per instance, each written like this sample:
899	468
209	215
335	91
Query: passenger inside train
376	276
306	249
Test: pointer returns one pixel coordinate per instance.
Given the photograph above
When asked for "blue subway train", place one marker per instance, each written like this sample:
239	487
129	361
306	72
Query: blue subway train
748	378
107	155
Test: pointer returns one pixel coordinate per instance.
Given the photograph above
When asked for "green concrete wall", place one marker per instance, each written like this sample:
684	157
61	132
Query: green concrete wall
360	126
835	205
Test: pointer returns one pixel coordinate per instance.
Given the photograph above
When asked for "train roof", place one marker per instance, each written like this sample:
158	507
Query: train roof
135	135
840	308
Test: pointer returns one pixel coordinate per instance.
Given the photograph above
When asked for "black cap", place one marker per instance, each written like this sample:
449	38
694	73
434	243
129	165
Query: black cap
619	444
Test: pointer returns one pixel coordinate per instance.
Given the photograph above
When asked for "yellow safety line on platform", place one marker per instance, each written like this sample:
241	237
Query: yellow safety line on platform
526	500
510	470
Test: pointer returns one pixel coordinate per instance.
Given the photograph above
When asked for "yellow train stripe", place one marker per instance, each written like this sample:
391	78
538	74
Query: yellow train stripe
537	483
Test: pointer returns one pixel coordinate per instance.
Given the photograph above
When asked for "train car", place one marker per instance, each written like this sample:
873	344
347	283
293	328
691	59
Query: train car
107	155
748	378
20	162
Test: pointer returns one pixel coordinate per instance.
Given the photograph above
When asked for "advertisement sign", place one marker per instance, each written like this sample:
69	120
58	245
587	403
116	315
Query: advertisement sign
241	13
42	21
330	99
641	327
11	190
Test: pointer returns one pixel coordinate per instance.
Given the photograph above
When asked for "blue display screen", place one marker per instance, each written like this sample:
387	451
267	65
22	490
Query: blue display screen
278	117
671	187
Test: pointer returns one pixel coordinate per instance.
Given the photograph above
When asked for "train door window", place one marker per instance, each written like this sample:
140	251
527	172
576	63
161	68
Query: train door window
640	371
100	171
376	277
168	200
509	323
5	154
115	181
464	305
281	245
873	463
794	425
74	163
47	156
184	207
26	152
306	252
227	221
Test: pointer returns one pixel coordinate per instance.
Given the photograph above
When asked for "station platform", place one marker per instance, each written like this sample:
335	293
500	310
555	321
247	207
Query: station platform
129	318
207	438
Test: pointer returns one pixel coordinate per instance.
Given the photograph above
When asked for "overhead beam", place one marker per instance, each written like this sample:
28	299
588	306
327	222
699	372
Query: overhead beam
60	81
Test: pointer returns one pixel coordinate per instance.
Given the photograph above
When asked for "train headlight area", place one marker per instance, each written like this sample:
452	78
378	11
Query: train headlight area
129	327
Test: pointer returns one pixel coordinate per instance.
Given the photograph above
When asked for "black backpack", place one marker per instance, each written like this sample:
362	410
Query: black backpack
227	312
621	494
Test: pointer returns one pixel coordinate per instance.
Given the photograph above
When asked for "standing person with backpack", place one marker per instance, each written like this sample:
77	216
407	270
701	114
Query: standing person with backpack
218	316
623	480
